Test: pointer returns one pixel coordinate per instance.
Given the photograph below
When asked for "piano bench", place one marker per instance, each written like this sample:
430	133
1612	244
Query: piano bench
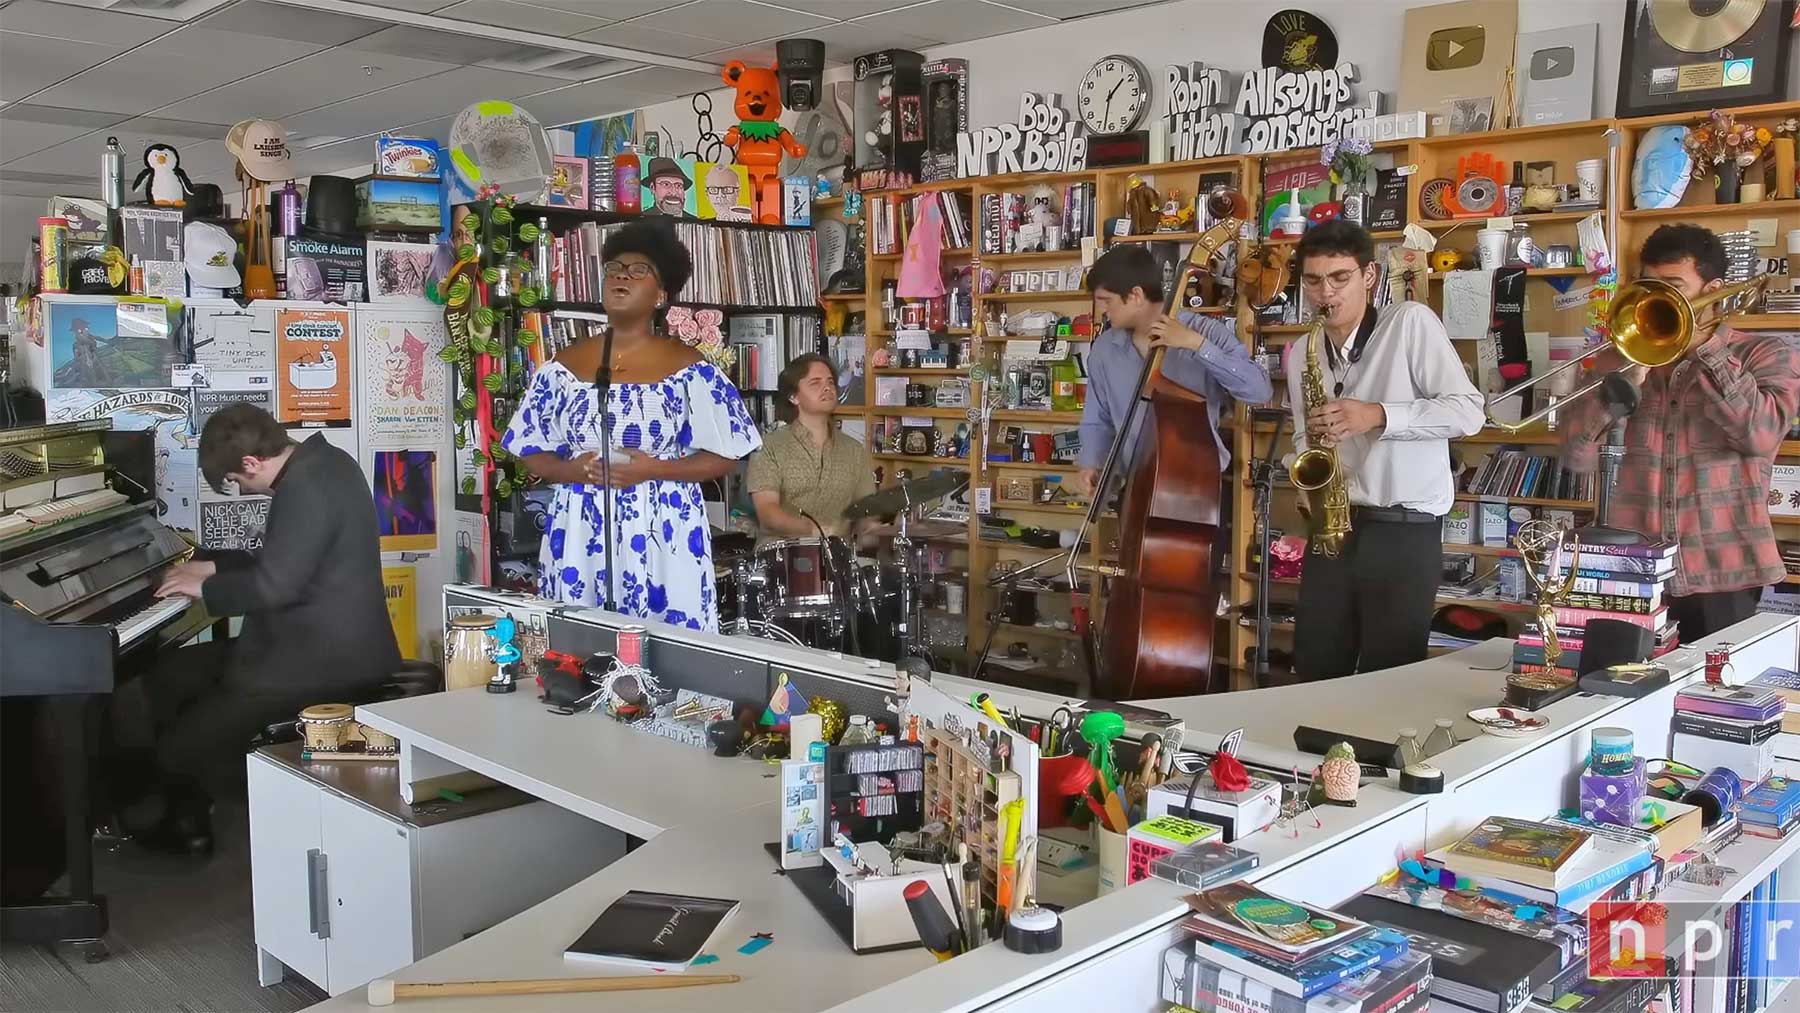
414	678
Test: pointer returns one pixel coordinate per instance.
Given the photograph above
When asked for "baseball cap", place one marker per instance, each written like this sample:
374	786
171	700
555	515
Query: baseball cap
261	146
90	275
209	251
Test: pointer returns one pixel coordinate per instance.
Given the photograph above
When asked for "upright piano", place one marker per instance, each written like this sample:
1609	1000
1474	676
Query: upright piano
81	552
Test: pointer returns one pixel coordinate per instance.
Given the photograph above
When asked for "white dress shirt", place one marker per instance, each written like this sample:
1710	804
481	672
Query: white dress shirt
1409	366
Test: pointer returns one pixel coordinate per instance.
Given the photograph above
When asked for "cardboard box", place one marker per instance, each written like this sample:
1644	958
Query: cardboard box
1235	813
329	270
406	156
1748	762
409	202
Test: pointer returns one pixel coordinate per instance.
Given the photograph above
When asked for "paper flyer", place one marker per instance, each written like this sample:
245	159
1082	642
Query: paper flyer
236	345
400	584
403	387
233	522
405	484
165	411
313	363
471	554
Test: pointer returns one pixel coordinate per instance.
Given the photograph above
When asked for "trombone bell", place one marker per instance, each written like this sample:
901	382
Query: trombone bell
1651	324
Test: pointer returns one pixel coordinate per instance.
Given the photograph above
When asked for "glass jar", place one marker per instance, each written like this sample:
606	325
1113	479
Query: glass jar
1409	747
859	733
1442	737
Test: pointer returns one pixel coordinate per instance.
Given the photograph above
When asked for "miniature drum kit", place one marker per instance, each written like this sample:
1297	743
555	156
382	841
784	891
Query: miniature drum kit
330	731
817	592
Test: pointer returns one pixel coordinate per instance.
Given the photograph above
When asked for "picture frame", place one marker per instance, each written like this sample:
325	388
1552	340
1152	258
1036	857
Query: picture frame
1656	78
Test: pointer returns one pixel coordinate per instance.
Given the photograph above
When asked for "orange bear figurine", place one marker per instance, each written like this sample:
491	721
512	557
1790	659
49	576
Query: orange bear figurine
759	138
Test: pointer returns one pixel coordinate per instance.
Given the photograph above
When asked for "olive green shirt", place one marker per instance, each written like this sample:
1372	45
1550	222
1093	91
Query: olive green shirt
791	465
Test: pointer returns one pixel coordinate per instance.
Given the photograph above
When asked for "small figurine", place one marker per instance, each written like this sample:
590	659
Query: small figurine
1141	205
759	139
940	443
168	184
1176	214
876	135
506	657
1341	774
959	444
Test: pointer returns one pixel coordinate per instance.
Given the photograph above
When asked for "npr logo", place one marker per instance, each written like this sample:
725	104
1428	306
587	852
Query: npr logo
1657	939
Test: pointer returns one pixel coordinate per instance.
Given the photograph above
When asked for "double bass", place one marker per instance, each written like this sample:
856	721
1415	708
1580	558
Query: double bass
1157	635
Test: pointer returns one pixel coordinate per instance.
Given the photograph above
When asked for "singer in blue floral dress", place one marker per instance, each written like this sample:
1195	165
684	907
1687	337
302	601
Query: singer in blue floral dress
677	418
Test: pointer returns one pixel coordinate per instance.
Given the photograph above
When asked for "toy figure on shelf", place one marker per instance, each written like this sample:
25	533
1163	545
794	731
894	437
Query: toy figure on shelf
1176	214
784	703
168	184
876	136
506	657
940	441
759	139
959	445
1141	205
1040	222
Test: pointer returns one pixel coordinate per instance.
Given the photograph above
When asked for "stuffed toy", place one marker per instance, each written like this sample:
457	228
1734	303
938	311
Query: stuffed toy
884	118
759	139
168	184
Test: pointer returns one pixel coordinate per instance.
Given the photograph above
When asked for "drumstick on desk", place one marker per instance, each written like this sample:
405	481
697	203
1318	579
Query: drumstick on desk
383	991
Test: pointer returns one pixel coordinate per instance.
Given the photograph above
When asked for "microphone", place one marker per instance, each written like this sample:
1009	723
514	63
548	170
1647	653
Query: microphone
1620	395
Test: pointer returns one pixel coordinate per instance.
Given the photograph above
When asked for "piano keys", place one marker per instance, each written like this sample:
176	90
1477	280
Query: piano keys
81	554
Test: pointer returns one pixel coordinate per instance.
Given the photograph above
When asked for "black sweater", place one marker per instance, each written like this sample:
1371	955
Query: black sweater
312	597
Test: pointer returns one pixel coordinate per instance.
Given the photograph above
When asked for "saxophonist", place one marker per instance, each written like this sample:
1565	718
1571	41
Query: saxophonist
1388	393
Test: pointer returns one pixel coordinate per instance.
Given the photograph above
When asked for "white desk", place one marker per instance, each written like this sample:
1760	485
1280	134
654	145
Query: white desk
710	817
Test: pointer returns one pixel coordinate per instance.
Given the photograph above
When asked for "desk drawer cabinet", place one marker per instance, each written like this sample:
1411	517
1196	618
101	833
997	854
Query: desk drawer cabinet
348	883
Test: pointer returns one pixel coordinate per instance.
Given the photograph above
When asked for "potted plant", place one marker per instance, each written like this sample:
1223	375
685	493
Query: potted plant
1348	160
1723	148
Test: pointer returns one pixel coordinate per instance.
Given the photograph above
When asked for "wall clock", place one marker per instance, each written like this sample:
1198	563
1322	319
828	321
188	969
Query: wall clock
1114	95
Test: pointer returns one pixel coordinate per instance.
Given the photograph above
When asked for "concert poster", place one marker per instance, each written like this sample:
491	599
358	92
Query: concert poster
405	483
404	400
312	366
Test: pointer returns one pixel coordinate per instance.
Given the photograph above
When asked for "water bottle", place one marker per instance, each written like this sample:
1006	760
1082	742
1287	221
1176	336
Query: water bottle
287	210
859	733
112	174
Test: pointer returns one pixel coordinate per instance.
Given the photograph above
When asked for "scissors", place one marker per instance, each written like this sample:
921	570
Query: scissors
1056	734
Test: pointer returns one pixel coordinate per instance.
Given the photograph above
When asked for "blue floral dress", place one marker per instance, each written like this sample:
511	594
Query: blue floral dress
660	531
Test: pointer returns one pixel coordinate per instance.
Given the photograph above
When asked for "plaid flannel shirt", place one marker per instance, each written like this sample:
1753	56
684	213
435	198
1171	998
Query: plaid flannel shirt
1699	453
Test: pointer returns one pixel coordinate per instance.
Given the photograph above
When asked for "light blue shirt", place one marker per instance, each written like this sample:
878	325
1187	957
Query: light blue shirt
1219	371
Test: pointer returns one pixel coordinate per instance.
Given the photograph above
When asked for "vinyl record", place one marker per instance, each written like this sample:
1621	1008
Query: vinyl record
1477	194
1679	26
1298	41
1431	199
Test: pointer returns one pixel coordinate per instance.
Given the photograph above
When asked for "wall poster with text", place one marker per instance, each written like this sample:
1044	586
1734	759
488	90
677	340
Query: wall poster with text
313	365
404	401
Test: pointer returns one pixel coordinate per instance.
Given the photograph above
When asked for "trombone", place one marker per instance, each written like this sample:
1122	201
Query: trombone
1651	324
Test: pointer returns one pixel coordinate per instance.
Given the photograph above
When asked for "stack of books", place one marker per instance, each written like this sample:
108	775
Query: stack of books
1623	582
1784	683
1554	862
1727	726
1772	808
1287	946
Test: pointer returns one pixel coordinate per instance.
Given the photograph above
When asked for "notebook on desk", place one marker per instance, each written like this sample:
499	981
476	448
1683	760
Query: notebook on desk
661	931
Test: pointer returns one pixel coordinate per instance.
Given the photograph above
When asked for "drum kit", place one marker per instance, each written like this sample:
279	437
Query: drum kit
817	592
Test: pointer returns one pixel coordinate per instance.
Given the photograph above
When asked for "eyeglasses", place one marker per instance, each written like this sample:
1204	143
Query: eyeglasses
1336	279
636	270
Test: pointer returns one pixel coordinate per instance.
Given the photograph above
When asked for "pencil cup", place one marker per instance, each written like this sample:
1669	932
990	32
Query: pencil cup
1111	849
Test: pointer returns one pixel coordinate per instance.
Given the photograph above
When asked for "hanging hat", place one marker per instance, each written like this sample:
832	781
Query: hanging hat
209	252
662	166
261	147
331	205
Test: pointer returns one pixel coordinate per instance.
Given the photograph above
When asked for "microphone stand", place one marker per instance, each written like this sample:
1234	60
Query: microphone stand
603	385
1621	398
1262	478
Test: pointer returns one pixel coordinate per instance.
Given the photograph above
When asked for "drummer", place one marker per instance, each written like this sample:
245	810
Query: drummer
807	471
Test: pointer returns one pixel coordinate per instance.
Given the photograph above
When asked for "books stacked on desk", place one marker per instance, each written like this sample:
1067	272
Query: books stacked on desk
1622	582
1556	862
1292	948
1784	683
1727	726
1771	808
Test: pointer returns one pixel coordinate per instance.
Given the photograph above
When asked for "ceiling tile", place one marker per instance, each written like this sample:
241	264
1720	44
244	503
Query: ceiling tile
445	47
41	185
281	21
31	62
1078	8
313	81
732	21
158	126
523	17
412	6
172	68
60	21
28	112
634	35
668	81
958	20
844	9
852	39
427	98
619	9
760	54
586	101
19	138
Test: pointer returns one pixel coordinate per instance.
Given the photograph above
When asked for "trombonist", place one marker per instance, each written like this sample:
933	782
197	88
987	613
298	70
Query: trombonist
1701	446
1394	395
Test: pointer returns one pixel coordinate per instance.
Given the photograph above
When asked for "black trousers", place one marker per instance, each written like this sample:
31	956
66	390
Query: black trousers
1370	607
1699	615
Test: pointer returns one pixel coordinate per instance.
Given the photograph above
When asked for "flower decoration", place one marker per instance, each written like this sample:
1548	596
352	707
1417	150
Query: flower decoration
1722	141
1348	159
700	329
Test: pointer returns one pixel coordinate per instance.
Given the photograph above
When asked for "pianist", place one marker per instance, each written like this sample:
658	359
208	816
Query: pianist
315	626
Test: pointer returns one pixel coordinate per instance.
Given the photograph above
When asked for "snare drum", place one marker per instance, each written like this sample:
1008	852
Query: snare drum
802	580
325	726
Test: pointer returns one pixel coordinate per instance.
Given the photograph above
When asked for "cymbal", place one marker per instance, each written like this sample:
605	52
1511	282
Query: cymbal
895	498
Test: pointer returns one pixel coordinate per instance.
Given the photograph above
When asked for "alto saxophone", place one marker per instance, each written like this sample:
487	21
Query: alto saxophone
1316	471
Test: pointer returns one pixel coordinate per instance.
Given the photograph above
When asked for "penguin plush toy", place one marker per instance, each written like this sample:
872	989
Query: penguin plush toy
169	186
